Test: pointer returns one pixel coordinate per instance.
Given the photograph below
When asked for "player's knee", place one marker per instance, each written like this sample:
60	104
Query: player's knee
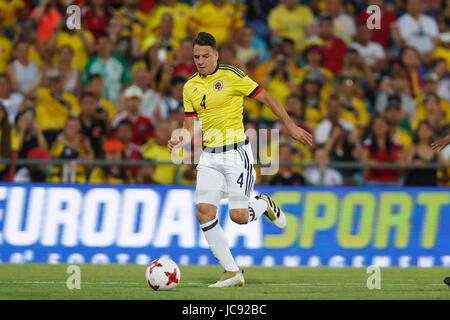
240	216
206	212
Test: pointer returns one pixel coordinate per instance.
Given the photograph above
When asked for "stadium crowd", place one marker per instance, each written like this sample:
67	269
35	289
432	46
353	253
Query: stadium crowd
113	89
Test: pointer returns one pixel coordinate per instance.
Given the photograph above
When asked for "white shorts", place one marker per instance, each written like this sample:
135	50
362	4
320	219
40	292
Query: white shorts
228	174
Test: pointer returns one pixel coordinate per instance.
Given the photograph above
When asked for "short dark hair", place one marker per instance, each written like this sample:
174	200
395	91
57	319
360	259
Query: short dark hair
205	39
95	76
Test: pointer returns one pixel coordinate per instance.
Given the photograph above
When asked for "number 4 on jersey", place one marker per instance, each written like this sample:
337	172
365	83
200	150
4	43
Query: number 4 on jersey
203	102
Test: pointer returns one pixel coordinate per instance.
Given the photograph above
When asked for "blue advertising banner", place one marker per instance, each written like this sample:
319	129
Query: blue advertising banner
57	223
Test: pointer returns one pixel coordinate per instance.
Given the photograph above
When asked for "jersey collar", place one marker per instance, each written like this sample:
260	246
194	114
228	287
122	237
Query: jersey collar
215	70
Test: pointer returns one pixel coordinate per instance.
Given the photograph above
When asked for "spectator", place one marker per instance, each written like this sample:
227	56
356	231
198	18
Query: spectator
380	35
396	85
113	71
5	51
246	54
131	151
81	42
71	144
313	60
52	100
164	38
9	12
159	69
355	66
25	76
180	12
292	20
219	17
294	108
344	147
96	17
410	62
321	174
416	29
69	73
379	148
151	98
344	25
131	31
124	132
394	116
280	82
111	174
334	117
276	51
434	114
354	109
372	52
29	135
227	54
333	49
184	66
443	49
93	124
156	150
10	99
34	173
421	154
47	16
439	66
286	176
172	101
431	82
105	108
142	125
311	98
9	145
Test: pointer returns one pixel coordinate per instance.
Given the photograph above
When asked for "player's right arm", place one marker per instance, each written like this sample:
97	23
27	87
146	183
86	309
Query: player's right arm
440	144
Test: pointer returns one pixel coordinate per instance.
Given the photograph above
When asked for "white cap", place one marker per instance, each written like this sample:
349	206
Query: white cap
445	37
133	92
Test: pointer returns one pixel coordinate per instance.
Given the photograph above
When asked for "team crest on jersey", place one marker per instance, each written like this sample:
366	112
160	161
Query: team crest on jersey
218	85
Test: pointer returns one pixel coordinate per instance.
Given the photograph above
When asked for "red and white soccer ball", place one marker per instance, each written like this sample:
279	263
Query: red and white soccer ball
163	274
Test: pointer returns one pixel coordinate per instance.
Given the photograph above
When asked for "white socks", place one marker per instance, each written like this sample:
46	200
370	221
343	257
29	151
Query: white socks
256	209
215	236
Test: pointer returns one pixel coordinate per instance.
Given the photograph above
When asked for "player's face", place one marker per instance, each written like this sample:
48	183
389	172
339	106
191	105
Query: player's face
205	59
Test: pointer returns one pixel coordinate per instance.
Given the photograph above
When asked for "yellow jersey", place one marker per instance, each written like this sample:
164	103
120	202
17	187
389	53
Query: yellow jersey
164	174
218	102
52	111
5	53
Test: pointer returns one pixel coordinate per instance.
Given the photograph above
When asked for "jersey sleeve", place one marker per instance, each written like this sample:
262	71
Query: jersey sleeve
189	110
246	86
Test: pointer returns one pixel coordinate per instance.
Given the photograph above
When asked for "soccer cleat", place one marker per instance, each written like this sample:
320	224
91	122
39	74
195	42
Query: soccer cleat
229	279
274	213
447	281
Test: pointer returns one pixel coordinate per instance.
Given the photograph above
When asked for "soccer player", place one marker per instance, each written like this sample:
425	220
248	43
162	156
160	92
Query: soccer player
215	95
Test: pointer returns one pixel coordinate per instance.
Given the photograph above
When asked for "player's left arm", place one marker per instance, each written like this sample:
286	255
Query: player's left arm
296	132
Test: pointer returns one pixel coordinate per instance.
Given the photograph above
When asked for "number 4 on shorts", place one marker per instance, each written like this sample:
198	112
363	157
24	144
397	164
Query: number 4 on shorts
240	180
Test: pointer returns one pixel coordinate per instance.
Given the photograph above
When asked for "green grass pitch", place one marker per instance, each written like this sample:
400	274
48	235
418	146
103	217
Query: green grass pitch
38	281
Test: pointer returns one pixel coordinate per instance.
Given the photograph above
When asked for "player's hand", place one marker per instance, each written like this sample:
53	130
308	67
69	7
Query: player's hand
172	143
301	135
440	144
